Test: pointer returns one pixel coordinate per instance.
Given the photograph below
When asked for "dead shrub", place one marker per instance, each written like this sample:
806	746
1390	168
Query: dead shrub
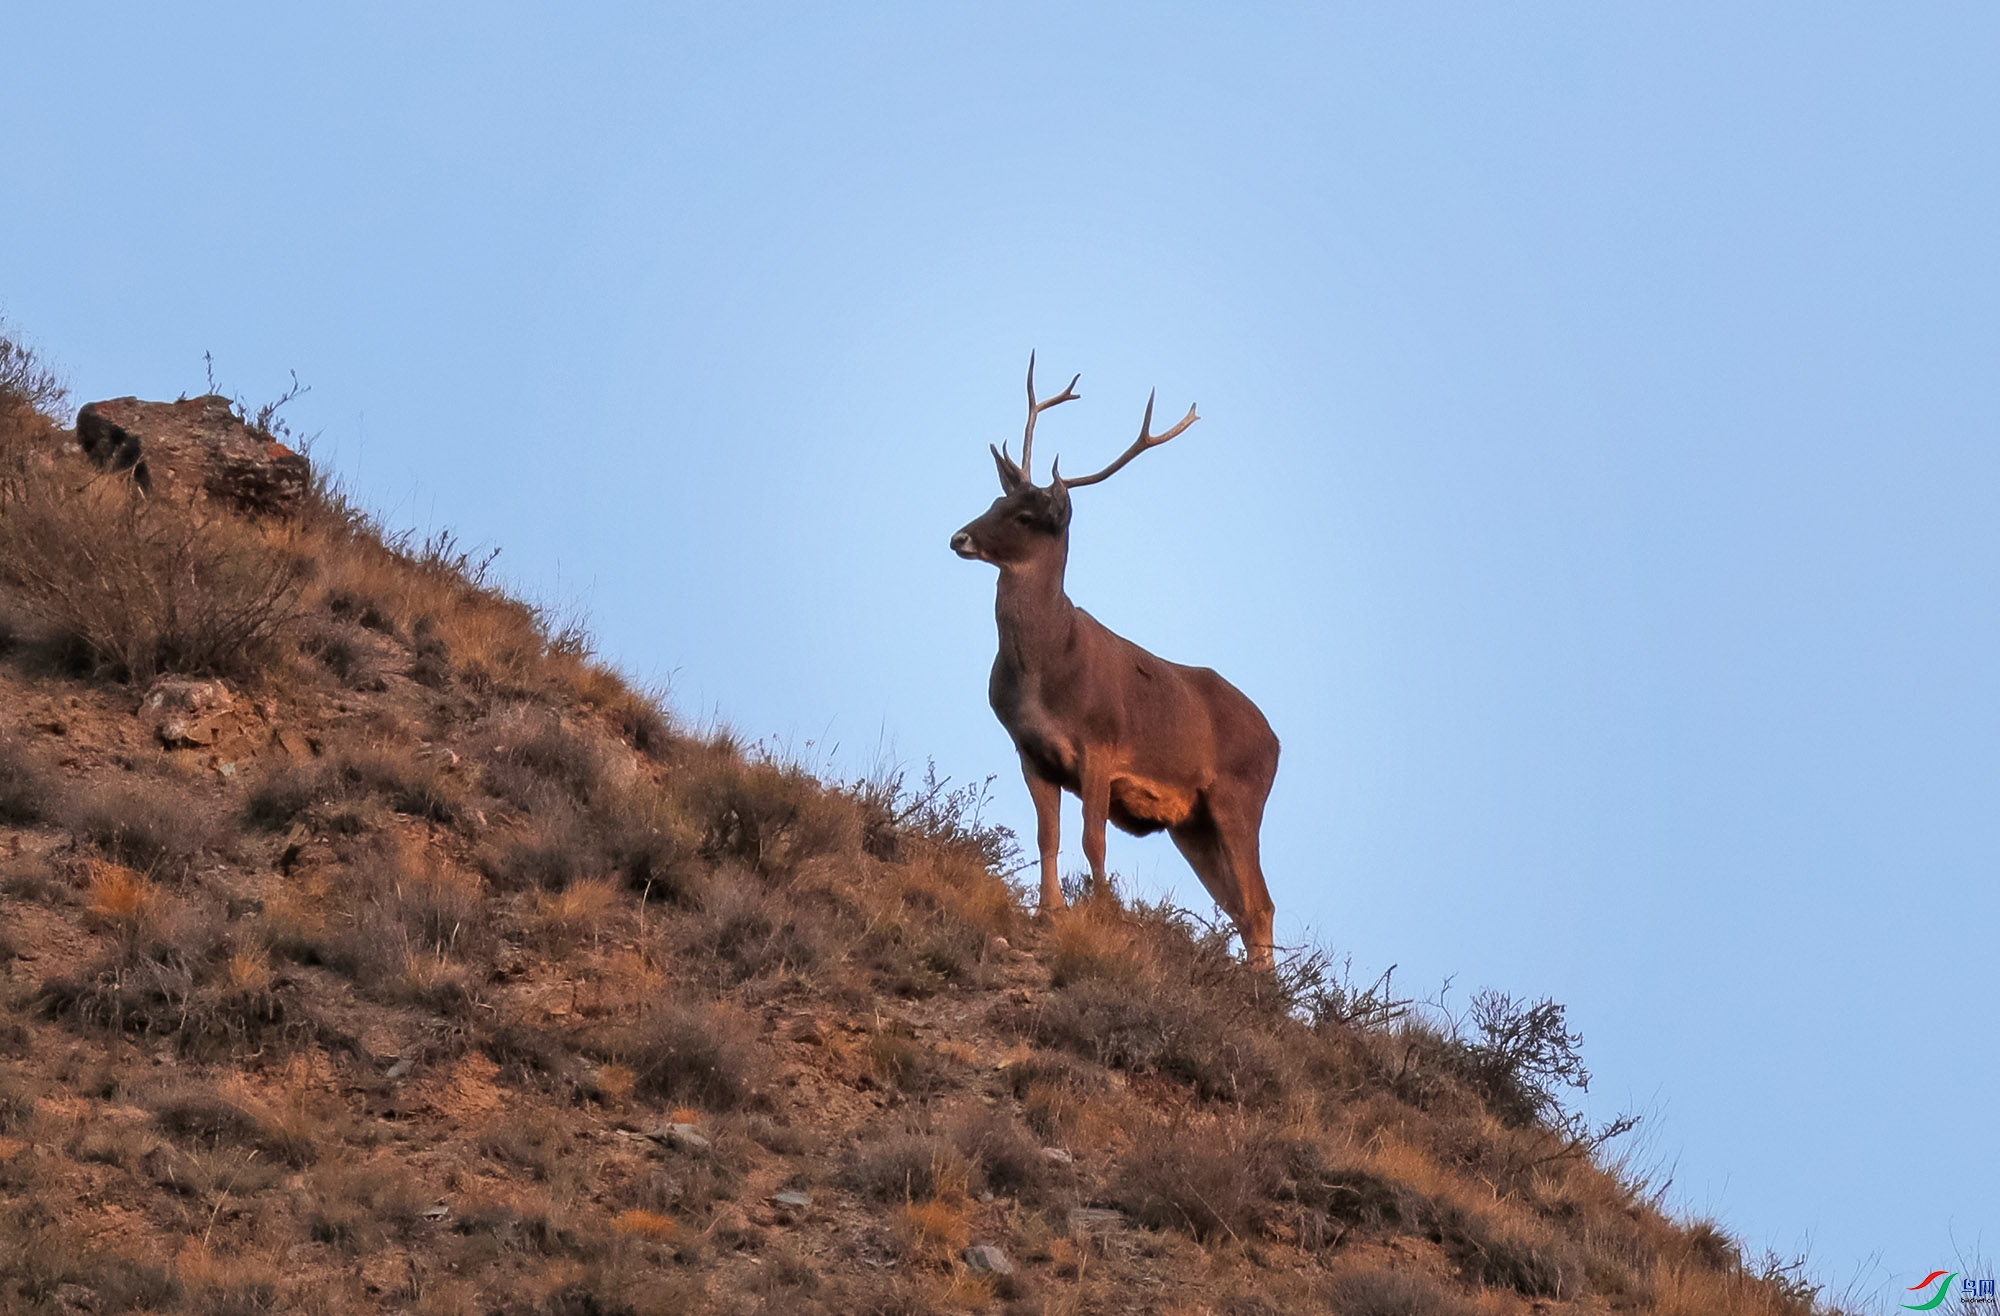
143	585
695	1053
25	379
558	920
1180	1034
1392	1293
933	1231
906	1168
531	759
640	718
528	1055
143	825
634	836
1151	990
650	844
1051	1088
1208	1182
535	1140
1497	1255
340	650
749	931
28	877
898	1058
17	1103
1332	1197
406	928
204	1117
768	816
208	1002
898	818
1003	1159
354	1206
27	785
123	902
409	784
1094	942
1522	1053
285	792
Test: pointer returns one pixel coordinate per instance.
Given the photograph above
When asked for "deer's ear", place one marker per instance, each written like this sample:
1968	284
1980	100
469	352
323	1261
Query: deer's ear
1059	501
1010	474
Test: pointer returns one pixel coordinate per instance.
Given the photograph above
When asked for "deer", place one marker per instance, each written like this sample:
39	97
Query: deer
1144	743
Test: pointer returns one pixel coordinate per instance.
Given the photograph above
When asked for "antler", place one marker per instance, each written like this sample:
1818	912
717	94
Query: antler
1147	439
1035	409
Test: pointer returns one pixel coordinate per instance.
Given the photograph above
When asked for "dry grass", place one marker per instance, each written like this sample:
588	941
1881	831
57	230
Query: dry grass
908	1168
27	784
1392	1293
933	1232
145	825
397	1047
137	586
701	1054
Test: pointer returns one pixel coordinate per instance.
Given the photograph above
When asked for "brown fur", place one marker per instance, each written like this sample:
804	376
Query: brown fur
1144	743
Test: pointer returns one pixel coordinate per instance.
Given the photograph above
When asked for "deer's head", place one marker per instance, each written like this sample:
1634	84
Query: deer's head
1030	521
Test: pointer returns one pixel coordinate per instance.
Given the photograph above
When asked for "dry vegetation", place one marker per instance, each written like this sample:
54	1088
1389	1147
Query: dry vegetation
465	981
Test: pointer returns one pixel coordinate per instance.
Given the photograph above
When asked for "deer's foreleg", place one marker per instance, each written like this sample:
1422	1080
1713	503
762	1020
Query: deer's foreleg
1096	795
1048	831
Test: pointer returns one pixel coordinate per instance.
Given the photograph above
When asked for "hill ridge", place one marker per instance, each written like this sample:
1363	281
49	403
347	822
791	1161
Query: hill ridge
369	946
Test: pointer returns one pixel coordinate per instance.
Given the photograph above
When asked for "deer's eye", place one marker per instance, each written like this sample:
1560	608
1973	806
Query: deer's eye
1024	518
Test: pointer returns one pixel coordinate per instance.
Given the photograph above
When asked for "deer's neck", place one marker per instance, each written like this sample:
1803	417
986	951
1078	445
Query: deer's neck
1033	611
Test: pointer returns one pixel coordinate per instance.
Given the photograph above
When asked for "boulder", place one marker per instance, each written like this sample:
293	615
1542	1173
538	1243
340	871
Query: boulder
194	448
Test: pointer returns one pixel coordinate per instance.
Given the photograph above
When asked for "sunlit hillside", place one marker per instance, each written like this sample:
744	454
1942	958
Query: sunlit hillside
368	946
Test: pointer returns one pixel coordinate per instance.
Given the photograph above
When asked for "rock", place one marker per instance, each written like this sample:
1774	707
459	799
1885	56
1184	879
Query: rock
187	714
985	1259
194	448
1057	1156
1095	1220
808	1030
791	1201
684	1137
438	1212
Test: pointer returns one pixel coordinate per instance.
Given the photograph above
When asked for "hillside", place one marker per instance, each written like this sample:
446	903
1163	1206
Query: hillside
369	947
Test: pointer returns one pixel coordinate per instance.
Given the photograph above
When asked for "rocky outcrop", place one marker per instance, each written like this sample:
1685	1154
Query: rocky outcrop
194	448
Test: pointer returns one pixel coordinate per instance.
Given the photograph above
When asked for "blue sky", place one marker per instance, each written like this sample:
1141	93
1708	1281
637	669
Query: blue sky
1595	485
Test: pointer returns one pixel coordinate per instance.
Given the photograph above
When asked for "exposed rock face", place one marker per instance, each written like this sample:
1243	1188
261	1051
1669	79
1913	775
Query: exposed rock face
194	448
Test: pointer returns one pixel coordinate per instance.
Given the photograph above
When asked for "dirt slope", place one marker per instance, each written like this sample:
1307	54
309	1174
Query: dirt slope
367	947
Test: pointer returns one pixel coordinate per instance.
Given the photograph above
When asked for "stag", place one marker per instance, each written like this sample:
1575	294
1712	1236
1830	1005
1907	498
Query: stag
1144	743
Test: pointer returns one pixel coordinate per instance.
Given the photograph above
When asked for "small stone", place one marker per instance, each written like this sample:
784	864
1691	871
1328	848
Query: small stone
1057	1156
791	1201
808	1030
400	1068
985	1259
438	1212
685	1137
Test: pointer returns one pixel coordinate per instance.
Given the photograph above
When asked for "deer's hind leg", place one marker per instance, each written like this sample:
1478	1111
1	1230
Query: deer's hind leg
1222	849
